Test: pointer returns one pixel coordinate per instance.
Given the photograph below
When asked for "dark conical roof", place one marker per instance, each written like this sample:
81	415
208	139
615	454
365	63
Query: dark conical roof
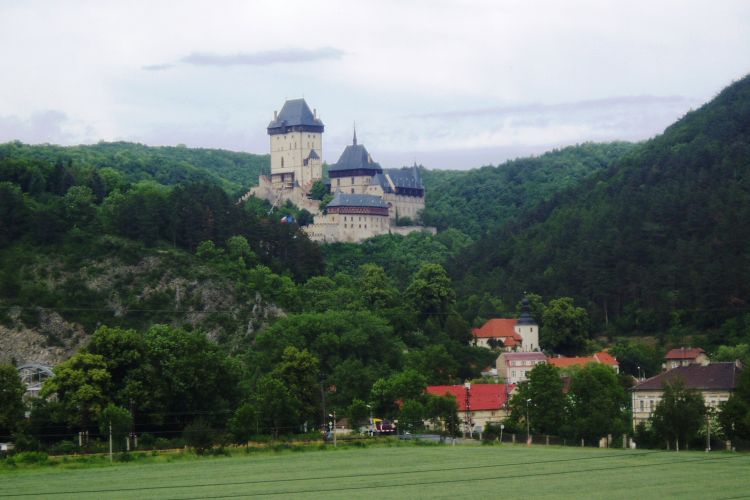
526	318
295	113
355	157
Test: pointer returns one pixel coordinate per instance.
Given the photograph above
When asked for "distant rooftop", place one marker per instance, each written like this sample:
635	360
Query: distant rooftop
356	200
716	376
295	113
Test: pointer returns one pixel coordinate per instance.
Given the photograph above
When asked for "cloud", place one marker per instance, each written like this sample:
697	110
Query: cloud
595	105
41	127
263	58
157	67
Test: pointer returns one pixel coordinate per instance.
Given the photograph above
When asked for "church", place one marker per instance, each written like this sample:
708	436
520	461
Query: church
368	200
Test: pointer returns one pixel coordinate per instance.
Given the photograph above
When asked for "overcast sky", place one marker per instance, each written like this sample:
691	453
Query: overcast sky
447	84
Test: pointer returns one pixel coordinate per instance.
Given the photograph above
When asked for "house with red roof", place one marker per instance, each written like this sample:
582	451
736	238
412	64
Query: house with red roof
481	403
683	356
500	330
510	334
602	357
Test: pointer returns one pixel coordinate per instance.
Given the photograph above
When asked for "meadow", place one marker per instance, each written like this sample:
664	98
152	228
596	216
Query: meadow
402	472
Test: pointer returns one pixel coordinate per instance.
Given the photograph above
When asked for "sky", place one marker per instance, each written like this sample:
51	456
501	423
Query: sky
446	84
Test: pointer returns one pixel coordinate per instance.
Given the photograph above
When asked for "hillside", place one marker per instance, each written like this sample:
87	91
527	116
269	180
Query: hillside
131	163
484	199
657	242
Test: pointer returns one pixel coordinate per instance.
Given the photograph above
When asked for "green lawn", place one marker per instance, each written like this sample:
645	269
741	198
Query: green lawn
404	472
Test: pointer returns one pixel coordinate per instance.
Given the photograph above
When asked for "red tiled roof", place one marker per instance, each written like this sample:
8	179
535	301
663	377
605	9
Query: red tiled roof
606	358
481	396
600	357
682	353
498	328
716	376
566	362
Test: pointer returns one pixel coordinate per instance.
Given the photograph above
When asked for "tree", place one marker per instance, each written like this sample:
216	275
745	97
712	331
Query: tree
638	359
434	362
547	405
679	415
119	420
597	402
443	412
279	409
11	400
298	371
402	386
198	435
430	291
734	414
318	190
244	423
412	415
82	386
358	412
376	288
565	329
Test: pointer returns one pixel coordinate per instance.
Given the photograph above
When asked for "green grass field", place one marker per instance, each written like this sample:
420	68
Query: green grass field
404	472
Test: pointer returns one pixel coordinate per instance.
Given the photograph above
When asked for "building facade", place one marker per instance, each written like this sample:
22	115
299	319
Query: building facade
715	382
685	356
514	367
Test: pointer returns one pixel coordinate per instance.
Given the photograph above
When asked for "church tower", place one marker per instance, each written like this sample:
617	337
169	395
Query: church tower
527	328
296	135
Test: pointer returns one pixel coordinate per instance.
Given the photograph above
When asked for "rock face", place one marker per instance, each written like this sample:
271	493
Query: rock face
53	341
155	289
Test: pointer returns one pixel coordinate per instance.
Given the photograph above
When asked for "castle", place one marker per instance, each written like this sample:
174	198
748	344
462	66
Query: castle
368	200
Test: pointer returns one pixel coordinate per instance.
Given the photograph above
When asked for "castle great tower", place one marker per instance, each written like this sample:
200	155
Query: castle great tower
296	135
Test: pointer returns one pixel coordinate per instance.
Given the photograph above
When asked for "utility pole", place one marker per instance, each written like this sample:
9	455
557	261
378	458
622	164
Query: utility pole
110	441
528	427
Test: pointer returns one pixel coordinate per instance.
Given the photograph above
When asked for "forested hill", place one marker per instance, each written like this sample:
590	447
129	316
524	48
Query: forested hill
660	241
125	162
483	199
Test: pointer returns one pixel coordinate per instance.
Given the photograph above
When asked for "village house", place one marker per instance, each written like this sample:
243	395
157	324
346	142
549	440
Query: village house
484	402
513	367
714	381
685	356
602	357
510	334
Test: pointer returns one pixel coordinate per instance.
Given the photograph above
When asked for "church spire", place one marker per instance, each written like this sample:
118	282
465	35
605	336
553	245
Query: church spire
354	141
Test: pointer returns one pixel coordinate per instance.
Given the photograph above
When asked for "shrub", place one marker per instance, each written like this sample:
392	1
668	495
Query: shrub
198	436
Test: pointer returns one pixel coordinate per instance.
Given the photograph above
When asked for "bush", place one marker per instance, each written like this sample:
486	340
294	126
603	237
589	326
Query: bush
30	457
198	436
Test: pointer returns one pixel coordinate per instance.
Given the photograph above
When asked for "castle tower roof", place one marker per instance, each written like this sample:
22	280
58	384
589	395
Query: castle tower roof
295	115
354	158
526	318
